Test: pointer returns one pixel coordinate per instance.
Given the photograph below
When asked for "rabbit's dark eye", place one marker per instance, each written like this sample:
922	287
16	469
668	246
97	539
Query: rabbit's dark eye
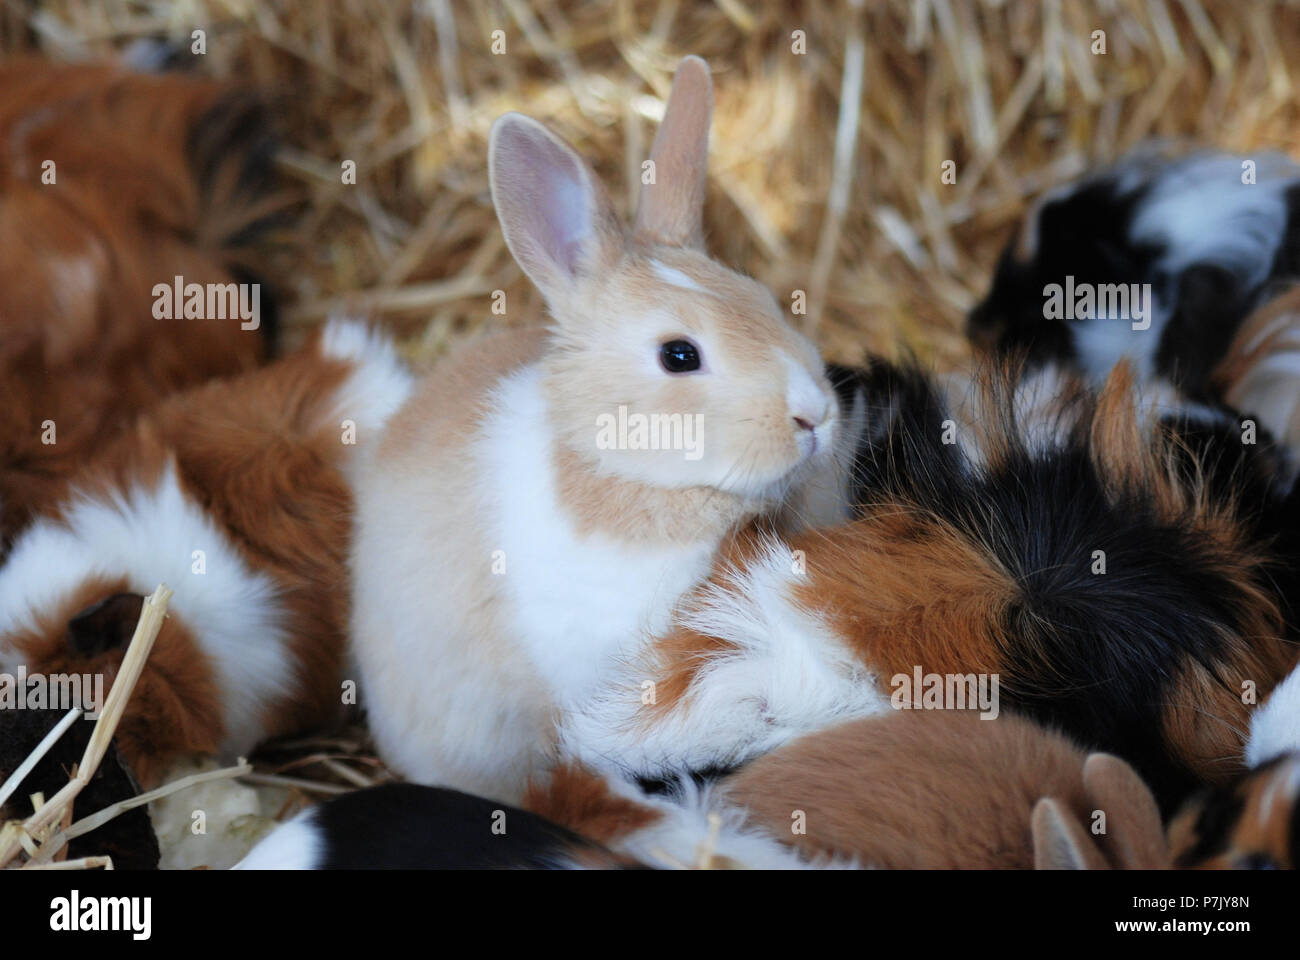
679	356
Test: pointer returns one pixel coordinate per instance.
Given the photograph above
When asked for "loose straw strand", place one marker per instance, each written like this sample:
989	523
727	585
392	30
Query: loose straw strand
152	613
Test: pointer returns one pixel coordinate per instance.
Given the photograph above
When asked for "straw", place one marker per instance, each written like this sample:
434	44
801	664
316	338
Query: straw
21	836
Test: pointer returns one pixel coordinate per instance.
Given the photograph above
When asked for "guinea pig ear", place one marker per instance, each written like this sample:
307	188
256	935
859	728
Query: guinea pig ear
105	625
1133	823
554	213
1060	842
671	208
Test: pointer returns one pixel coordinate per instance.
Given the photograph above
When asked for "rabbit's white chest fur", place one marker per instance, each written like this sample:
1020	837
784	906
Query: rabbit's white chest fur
574	600
478	611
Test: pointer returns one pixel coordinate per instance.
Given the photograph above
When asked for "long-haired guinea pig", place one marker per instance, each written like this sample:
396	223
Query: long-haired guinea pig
947	789
1205	233
545	497
237	495
114	184
1091	571
1260	378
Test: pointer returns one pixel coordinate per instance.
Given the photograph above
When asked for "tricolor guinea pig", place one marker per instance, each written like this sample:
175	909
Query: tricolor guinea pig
1157	259
116	188
238	495
1083	558
1252	822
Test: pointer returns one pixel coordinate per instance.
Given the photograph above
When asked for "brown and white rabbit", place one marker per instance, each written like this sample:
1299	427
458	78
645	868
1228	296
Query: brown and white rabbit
509	544
237	495
1097	577
947	789
112	182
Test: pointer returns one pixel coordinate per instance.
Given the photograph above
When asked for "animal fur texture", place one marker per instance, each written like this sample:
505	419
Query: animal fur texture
238	495
1208	235
1252	823
504	554
1105	573
406	826
112	182
572	819
1260	374
944	790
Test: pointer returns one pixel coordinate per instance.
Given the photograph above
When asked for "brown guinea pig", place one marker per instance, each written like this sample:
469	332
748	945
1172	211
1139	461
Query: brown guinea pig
112	185
949	790
236	494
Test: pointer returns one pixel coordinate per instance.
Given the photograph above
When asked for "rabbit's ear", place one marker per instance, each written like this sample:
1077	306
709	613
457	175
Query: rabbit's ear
1060	842
554	213
1133	822
671	208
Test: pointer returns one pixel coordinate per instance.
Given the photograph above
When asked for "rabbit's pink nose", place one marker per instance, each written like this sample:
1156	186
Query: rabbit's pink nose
804	424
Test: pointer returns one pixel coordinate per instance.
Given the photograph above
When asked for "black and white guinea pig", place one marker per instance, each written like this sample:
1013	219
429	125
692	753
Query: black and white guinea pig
404	826
1209	232
572	819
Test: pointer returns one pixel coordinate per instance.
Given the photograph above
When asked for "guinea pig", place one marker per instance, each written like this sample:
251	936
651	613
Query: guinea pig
947	789
1092	570
405	826
238	495
114	188
572	818
1157	259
